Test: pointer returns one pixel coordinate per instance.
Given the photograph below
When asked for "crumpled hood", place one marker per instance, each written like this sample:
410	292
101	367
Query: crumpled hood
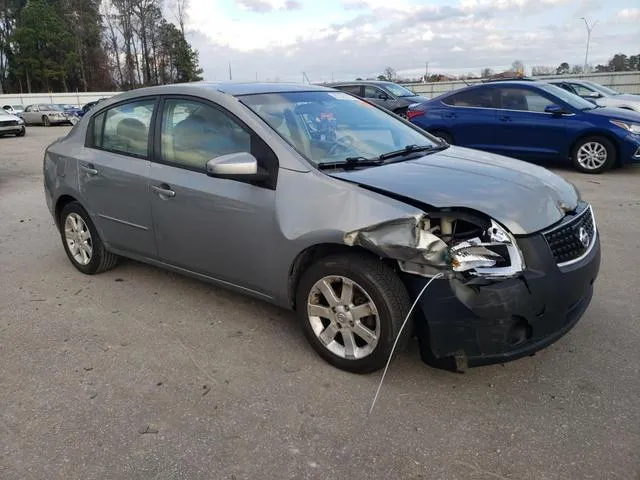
524	197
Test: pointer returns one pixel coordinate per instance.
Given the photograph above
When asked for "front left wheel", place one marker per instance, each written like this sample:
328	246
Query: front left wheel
594	154
82	243
351	308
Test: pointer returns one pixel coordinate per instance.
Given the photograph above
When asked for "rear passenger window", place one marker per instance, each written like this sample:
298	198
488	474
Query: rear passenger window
352	89
124	129
194	133
478	98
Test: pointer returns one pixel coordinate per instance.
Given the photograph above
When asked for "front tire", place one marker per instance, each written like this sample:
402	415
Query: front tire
352	307
593	155
22	132
82	243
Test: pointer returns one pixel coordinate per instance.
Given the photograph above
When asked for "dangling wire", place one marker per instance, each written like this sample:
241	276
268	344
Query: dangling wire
439	275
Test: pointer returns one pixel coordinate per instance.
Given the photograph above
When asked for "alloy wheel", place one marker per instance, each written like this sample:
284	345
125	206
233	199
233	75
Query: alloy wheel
78	238
343	317
592	155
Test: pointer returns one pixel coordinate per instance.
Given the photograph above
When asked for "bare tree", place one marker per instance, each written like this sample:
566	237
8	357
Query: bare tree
181	13
518	66
389	73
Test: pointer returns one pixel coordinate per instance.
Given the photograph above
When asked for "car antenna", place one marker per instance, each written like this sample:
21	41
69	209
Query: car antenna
384	373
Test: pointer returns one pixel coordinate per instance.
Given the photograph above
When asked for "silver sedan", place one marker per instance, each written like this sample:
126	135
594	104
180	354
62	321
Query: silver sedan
320	202
46	114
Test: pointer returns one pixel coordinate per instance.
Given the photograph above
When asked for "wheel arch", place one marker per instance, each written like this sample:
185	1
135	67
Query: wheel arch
597	133
62	201
314	253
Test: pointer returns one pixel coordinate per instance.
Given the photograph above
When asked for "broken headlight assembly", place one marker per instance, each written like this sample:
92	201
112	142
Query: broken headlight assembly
494	253
456	242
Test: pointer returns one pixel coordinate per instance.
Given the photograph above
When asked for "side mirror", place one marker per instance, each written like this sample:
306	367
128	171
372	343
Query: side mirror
593	95
554	109
236	166
383	96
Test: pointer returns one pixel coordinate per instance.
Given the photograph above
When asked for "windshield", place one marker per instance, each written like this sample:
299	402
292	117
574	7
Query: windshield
329	127
602	89
399	91
571	98
17	107
52	107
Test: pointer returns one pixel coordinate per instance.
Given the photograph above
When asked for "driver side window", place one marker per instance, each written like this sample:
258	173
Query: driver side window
193	133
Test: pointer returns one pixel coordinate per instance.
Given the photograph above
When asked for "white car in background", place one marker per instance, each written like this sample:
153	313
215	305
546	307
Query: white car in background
11	124
600	95
13	109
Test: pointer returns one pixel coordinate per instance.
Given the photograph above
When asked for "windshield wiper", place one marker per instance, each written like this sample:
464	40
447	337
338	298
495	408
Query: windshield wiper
412	149
351	162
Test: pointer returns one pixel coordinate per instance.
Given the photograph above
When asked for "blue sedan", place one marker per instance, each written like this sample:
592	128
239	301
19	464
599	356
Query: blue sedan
533	121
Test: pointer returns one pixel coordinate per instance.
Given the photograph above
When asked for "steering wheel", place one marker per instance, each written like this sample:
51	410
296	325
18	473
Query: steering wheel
341	144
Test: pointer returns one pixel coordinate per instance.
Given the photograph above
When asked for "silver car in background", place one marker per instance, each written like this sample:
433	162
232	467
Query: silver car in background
47	115
599	94
320	202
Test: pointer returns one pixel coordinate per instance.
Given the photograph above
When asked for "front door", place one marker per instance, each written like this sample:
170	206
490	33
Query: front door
216	227
113	176
525	130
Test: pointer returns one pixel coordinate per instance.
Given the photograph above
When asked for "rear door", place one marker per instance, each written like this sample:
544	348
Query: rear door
526	130
113	173
469	116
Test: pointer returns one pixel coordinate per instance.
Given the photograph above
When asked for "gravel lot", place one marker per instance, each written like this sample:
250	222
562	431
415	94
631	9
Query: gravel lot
140	373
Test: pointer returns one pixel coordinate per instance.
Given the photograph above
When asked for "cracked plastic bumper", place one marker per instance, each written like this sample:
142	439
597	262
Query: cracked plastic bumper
508	319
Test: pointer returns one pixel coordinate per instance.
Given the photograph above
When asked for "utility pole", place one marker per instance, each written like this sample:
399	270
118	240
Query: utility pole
426	73
229	70
586	53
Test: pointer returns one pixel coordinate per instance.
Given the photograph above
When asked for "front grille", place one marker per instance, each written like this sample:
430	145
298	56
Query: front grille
8	123
573	239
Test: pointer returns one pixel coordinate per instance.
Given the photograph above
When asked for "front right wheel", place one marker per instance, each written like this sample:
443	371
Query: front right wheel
351	308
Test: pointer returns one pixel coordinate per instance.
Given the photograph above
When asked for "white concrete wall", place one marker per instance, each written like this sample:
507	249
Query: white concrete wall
78	99
626	82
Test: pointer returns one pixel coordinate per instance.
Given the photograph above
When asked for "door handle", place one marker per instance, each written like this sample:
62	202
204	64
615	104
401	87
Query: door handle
164	190
504	118
89	169
450	115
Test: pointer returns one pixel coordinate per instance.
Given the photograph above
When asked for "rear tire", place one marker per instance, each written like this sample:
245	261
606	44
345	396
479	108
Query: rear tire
593	154
45	121
82	243
370	313
22	132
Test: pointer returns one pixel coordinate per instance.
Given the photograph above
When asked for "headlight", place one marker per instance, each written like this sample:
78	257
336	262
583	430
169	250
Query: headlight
631	127
492	254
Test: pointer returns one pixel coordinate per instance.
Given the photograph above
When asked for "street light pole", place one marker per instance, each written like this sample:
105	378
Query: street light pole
586	53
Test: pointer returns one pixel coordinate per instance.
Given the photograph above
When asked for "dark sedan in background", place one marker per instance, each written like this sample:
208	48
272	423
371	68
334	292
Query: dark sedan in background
533	121
387	95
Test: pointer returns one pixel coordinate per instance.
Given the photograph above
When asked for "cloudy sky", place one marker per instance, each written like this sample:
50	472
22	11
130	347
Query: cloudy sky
345	39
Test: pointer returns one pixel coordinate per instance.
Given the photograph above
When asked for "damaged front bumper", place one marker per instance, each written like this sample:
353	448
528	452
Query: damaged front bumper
507	319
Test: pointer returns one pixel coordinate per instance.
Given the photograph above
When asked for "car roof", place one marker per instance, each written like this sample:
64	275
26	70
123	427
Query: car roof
256	88
380	83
